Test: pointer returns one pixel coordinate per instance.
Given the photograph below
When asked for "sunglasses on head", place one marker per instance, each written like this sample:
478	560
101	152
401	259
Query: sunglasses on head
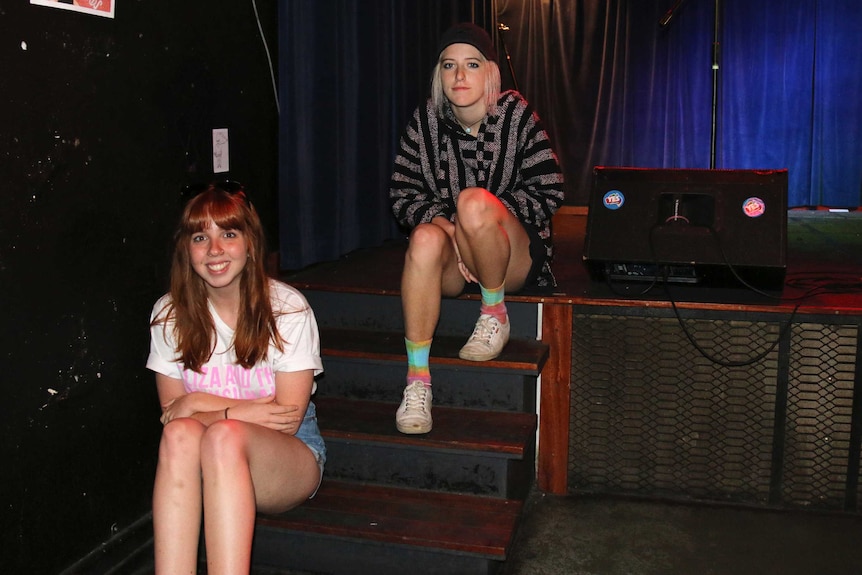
229	186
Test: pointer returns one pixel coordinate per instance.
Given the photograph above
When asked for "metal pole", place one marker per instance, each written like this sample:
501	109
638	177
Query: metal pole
716	53
503	28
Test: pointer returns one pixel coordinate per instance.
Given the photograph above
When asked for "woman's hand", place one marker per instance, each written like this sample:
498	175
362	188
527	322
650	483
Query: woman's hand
462	267
190	404
180	406
266	412
210	408
449	228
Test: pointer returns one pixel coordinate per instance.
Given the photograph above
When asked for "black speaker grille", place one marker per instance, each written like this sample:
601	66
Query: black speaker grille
819	415
652	416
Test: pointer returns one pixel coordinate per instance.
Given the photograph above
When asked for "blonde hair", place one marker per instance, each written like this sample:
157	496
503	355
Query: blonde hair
492	86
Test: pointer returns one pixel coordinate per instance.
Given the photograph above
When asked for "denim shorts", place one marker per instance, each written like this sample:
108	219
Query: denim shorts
309	434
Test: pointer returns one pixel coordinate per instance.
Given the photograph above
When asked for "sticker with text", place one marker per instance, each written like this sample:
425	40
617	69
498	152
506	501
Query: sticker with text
754	207
613	200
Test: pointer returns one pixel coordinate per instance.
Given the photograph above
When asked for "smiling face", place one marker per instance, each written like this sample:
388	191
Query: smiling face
218	256
463	73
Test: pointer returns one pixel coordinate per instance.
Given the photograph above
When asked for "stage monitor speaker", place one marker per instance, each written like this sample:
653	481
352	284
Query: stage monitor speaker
723	228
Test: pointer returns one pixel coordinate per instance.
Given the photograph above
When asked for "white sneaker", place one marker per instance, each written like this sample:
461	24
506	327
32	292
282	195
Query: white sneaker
414	413
488	339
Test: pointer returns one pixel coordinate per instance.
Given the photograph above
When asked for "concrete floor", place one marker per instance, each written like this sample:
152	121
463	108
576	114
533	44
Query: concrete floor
598	535
594	535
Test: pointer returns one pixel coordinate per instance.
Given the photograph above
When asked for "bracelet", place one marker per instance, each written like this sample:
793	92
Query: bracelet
225	412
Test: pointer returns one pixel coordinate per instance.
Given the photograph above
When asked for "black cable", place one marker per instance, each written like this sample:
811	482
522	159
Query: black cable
725	363
850	286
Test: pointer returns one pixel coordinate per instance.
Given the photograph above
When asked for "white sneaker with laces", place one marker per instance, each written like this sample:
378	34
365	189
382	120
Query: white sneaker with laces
489	338
414	413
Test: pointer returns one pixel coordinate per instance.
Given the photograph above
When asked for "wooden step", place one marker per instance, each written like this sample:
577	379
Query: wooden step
468	451
359	528
453	386
521	356
447	502
384	313
507	434
377	270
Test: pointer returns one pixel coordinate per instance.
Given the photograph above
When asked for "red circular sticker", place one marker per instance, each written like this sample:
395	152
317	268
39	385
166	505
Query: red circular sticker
753	207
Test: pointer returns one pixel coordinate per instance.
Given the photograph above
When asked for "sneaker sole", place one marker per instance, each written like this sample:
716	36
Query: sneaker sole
413	430
478	357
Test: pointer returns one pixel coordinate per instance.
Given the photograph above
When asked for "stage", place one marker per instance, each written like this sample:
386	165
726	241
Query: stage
689	391
824	250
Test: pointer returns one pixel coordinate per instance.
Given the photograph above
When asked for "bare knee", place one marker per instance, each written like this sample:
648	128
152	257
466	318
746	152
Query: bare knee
224	445
181	439
477	207
427	245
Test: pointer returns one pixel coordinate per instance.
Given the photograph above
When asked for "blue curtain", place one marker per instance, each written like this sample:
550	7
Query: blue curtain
612	86
788	89
350	75
793	95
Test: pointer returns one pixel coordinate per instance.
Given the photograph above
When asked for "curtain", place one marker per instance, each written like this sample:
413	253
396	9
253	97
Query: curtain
617	88
612	86
350	75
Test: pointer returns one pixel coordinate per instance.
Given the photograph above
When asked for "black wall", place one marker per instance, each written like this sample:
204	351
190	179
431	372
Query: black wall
101	122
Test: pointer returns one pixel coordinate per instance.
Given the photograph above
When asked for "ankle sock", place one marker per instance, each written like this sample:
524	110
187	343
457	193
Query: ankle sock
418	353
494	302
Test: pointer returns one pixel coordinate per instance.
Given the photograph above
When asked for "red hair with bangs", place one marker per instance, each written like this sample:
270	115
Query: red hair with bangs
193	325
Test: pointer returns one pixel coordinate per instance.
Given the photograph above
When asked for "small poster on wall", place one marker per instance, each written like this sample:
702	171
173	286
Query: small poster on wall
96	7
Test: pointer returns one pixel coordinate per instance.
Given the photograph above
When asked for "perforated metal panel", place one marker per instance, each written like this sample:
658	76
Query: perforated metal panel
651	415
819	415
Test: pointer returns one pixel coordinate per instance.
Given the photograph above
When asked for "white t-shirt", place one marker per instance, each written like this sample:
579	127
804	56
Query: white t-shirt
221	375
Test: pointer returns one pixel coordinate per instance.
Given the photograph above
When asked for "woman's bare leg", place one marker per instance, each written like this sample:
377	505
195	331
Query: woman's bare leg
177	497
248	468
430	271
492	242
496	250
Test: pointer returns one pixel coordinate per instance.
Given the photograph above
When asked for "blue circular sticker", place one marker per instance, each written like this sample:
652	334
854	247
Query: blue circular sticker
613	200
753	207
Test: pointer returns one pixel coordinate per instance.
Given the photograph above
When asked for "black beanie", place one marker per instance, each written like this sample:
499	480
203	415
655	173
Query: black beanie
468	33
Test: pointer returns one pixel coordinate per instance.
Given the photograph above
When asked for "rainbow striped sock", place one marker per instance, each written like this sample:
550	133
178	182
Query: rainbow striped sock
493	302
418	353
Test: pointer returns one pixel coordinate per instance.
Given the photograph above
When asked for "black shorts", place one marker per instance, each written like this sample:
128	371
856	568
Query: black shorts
538	254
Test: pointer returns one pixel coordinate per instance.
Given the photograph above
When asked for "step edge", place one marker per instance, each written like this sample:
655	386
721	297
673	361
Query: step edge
536	297
523	426
493	366
489	552
371	440
395	353
511	510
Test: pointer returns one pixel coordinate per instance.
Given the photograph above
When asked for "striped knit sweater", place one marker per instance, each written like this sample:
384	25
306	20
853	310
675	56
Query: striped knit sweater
511	157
